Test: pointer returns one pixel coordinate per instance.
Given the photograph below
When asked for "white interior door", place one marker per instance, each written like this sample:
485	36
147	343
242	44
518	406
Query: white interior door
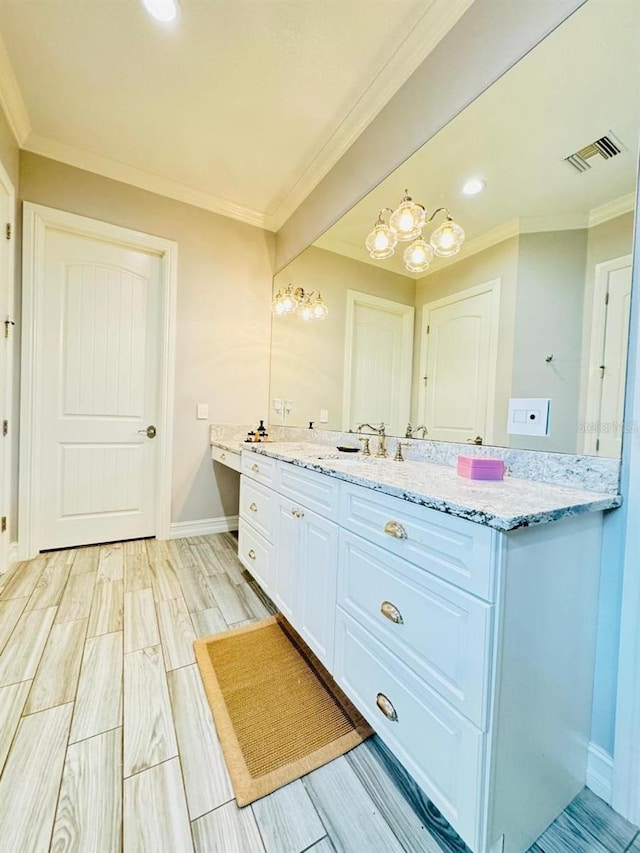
97	315
378	358
7	243
458	380
614	361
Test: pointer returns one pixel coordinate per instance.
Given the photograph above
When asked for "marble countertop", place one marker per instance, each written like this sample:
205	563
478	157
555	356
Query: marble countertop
503	505
229	446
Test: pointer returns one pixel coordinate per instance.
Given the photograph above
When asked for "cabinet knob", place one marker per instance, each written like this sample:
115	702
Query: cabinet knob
251	554
253	507
223	456
385	706
297	512
395	529
391	612
255	467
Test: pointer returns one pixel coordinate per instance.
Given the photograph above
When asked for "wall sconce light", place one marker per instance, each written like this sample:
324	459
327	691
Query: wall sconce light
406	223
294	300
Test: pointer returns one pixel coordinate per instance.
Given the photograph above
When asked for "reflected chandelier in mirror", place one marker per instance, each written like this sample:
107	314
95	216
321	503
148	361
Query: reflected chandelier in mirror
406	223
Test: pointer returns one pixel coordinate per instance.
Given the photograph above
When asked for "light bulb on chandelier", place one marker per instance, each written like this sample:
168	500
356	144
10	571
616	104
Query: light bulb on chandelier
406	223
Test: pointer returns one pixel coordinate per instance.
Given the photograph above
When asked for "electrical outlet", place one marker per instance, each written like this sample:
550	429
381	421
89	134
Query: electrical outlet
202	411
324	416
528	416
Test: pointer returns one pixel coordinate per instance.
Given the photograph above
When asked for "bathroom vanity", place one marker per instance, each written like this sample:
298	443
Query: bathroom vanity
460	618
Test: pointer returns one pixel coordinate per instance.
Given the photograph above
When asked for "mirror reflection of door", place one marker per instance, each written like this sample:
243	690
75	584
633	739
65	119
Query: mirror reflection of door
610	330
457	385
378	360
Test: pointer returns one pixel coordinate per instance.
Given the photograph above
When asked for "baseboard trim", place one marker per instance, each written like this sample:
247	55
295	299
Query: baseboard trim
224	524
599	772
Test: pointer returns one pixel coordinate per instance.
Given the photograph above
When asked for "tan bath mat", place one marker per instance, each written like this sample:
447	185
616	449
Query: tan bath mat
278	713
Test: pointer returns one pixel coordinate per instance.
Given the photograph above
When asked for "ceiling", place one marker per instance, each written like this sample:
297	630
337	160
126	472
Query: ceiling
582	82
240	106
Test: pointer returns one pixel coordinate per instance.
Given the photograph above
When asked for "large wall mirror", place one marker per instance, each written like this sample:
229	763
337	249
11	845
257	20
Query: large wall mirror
536	302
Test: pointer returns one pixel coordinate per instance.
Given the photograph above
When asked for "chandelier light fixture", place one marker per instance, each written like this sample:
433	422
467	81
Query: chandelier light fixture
406	223
293	300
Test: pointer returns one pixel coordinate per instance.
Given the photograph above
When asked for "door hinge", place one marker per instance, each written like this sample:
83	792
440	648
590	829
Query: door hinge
7	324
425	379
7	231
3	524
5	427
602	370
606	298
428	330
597	444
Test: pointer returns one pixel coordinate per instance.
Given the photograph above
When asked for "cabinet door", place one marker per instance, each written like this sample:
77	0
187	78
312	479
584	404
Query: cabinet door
315	601
288	534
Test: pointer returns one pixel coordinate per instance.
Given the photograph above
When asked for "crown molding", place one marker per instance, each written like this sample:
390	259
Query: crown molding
433	25
11	100
612	209
478	244
106	167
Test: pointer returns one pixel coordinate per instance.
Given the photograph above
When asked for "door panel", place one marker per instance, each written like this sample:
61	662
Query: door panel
616	338
100	321
378	365
459	369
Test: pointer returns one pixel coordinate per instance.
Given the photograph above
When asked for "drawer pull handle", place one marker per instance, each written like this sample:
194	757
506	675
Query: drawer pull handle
251	554
297	512
255	467
391	612
395	529
223	456
386	707
253	507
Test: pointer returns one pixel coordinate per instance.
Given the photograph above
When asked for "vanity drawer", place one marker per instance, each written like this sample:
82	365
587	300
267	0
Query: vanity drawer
226	457
439	747
258	467
455	549
254	553
439	631
315	491
256	506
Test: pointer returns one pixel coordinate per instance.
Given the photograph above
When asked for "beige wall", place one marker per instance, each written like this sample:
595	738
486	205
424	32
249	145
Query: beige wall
550	297
501	262
224	288
307	359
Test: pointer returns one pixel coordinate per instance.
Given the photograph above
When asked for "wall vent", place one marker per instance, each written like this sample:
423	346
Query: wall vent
604	149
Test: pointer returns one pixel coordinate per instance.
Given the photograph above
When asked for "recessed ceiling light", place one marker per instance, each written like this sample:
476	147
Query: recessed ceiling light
473	186
162	10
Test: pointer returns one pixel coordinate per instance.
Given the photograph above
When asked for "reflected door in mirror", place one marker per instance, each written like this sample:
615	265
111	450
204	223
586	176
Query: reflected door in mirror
378	360
458	385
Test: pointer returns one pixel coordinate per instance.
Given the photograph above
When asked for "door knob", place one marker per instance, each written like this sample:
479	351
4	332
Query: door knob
150	431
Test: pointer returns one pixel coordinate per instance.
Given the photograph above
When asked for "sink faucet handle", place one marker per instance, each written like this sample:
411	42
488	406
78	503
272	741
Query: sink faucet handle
365	446
399	445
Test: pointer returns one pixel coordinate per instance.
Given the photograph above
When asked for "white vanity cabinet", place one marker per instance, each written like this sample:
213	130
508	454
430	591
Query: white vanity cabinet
302	545
469	650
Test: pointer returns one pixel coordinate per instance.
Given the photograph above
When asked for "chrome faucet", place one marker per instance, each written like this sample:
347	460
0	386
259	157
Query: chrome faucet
381	452
377	429
410	432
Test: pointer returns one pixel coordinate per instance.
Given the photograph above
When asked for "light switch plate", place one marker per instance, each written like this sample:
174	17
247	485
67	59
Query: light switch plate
324	416
529	416
202	411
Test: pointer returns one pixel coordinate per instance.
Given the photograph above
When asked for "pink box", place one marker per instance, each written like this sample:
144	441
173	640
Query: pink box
480	468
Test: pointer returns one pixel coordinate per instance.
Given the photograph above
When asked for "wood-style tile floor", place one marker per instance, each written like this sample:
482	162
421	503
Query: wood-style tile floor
107	742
